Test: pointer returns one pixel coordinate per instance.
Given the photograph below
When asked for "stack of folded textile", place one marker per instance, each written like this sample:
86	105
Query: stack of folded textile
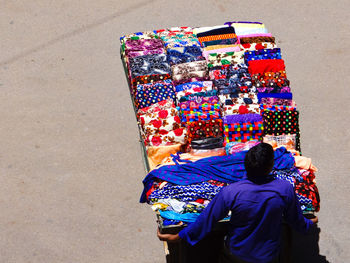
203	97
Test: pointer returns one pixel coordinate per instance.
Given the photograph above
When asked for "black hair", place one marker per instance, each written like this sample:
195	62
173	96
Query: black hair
259	160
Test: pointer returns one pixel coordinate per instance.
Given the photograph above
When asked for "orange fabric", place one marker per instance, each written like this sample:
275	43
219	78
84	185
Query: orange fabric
217	37
304	163
156	154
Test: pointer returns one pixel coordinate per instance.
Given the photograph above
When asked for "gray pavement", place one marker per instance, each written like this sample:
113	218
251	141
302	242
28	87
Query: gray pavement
70	162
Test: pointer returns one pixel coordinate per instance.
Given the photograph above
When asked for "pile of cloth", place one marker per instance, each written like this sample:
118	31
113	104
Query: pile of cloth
203	97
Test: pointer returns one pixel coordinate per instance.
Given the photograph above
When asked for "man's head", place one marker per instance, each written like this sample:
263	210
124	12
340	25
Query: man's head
259	160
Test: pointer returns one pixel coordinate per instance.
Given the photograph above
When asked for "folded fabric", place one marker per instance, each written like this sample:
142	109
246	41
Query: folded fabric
235	147
198	101
274	89
257	39
224	30
274	53
221	50
230	41
282	122
240	109
192	79
203	129
255	35
276	101
211	49
132	54
240	98
286	175
149	65
189	67
138	35
189	116
276	107
178	55
156	154
192	192
160	122
216	37
166	138
219	59
190	75
150	93
231	119
157	107
199	30
227	169
198	95
143	44
257	46
194	85
307	189
288	96
270	79
243	131
148	79
266	65
208	143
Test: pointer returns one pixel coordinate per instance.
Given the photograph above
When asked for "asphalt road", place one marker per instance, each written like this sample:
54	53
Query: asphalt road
70	161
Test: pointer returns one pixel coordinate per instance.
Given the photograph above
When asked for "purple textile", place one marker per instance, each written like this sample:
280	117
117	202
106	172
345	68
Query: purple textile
250	117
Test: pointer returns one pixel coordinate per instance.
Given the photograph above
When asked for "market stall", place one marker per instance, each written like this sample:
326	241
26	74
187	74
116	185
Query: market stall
202	97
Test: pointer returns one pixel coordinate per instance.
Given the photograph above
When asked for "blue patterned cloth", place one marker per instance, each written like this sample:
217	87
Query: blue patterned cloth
274	53
184	193
226	169
178	55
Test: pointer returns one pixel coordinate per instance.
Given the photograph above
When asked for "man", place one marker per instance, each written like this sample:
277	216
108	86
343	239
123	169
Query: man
257	206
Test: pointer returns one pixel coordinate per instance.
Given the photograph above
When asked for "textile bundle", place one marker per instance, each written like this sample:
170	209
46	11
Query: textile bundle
204	96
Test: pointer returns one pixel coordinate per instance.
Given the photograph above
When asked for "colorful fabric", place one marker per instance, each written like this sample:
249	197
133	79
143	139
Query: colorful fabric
202	129
274	53
148	79
257	46
276	107
132	54
221	49
193	102
243	128
231	78
192	79
227	169
219	59
270	79
257	39
193	85
190	116
168	138
276	101
192	192
230	41
288	96
274	89
157	107
148	94
189	67
190	75
214	31
235	147
282	122
240	109
241	98
143	44
178	55
198	95
216	37
266	65
138	35
307	189
288	140
149	65
160	122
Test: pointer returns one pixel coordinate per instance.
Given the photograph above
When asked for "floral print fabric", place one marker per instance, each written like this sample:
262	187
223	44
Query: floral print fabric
178	55
220	59
270	79
277	101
